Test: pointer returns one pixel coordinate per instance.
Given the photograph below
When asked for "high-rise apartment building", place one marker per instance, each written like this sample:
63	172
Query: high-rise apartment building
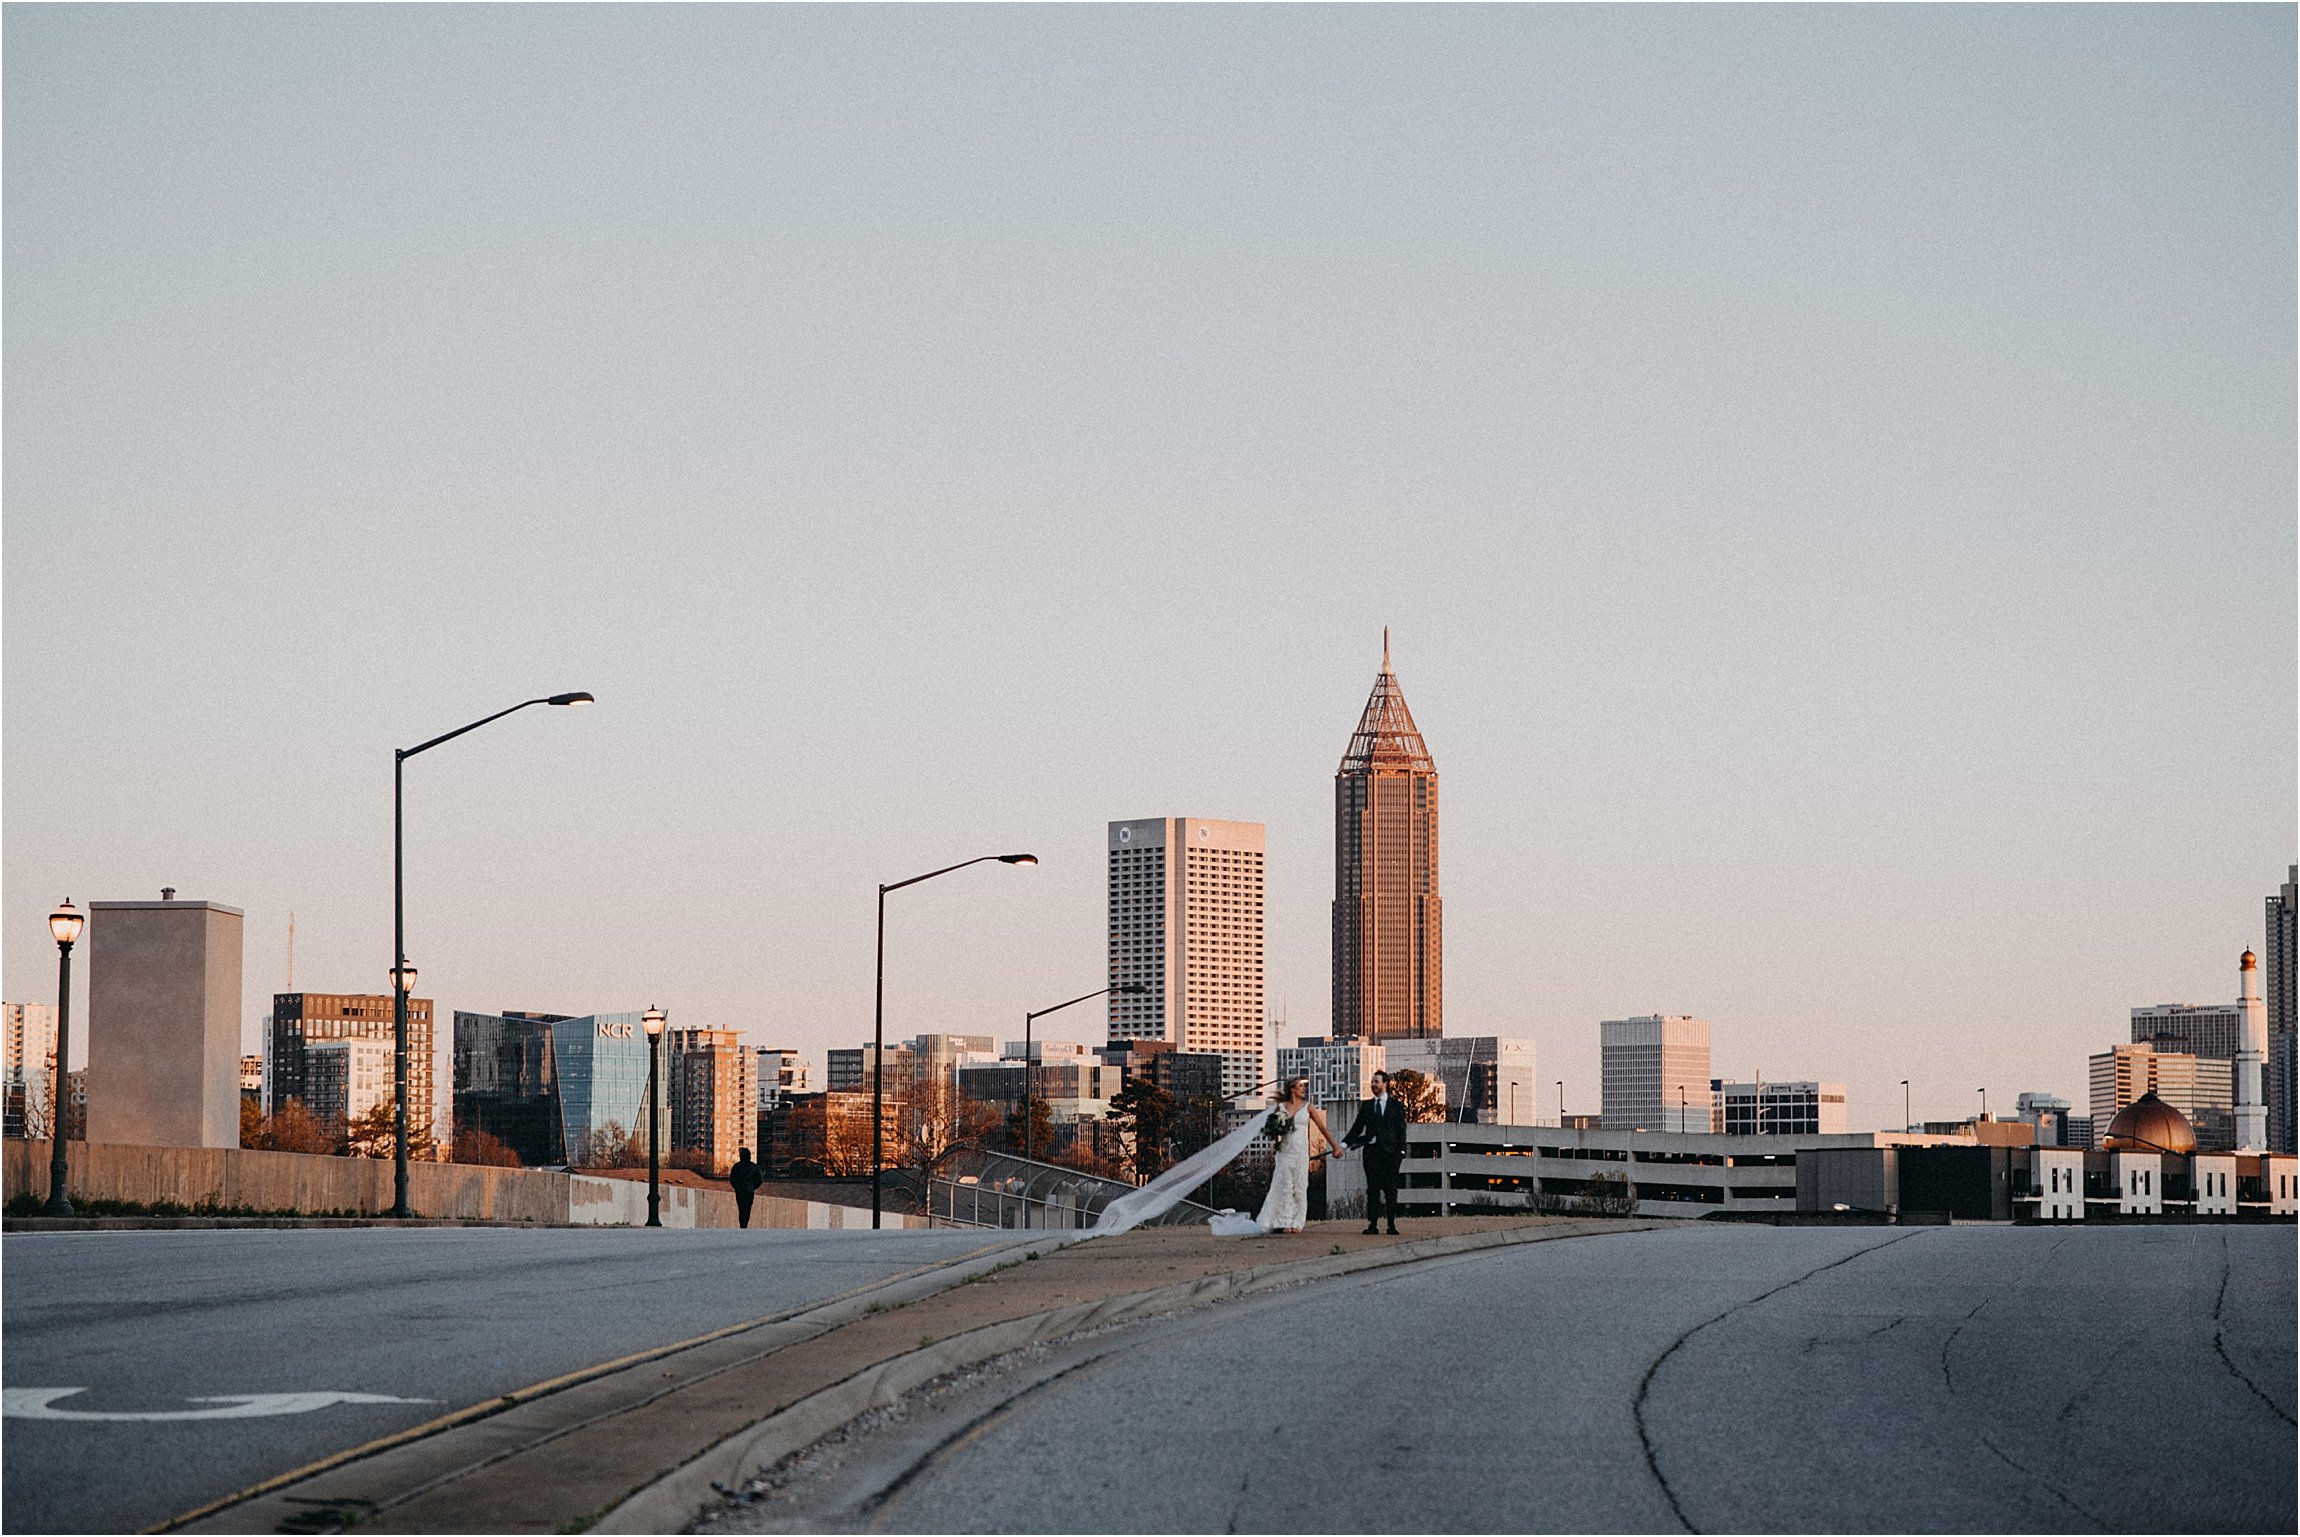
1388	933
29	1041
714	1094
782	1073
302	1019
344	1078
2278	961
1650	1066
28	1069
2201	1088
1186	898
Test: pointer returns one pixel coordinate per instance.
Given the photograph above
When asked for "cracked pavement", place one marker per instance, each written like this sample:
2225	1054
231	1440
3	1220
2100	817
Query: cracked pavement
1705	1378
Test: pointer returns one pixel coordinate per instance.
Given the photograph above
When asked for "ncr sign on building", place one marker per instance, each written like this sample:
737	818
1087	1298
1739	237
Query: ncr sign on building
164	1023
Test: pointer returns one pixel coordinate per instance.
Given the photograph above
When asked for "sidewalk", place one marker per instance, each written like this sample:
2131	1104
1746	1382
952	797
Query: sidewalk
667	1429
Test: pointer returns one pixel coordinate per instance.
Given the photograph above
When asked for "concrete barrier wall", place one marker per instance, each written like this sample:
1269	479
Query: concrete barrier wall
598	1201
318	1185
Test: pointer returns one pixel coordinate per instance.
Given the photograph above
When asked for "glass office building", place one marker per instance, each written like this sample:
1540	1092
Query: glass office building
554	1087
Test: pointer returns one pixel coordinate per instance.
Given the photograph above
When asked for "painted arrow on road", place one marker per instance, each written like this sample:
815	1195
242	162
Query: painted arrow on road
39	1404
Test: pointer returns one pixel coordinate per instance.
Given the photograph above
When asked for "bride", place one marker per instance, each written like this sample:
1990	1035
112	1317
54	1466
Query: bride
1287	1206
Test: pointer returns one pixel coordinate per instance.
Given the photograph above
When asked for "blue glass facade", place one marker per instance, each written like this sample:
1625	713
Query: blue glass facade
602	1061
549	1086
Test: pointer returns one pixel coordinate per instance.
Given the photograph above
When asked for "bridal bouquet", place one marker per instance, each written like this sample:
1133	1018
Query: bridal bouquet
1276	1127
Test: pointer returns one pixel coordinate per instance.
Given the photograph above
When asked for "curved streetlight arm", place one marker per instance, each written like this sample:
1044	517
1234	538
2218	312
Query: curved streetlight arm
409	752
399	757
878	1029
1010	859
1058	1008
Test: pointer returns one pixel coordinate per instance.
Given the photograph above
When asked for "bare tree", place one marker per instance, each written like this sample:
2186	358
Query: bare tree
936	1118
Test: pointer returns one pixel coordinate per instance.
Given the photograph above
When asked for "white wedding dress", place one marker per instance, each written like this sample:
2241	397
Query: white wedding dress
1163	1193
1288	1203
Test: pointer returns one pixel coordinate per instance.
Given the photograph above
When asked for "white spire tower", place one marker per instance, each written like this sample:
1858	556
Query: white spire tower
2251	1052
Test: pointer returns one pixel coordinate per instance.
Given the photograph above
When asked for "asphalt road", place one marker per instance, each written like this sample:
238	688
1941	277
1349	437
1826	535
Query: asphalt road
145	1321
1714	1378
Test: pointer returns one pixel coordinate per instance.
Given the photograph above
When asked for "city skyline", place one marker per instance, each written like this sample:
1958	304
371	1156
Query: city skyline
1829	474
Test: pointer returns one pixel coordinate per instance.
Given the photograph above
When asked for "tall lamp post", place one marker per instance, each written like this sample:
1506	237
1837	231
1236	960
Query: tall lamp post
878	1029
1561	1104
1907	1125
399	757
65	923
1030	1063
653	1019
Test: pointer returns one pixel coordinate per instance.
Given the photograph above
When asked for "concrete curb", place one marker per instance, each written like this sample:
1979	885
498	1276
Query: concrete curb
772	1332
674	1502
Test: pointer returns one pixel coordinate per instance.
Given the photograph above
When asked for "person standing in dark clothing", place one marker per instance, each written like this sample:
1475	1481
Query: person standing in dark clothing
746	1179
1381	1131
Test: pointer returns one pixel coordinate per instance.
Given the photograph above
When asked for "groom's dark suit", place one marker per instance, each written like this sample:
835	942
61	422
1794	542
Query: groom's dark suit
1381	1130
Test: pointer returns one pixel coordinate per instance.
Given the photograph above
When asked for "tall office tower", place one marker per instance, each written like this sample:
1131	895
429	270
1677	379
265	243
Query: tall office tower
1652	1066
1186	923
1388	950
2251	1060
2201	1088
2282	1066
2201	1029
302	1019
714	1094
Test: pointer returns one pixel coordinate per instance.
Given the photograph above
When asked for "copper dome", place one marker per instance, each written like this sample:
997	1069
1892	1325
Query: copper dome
2149	1125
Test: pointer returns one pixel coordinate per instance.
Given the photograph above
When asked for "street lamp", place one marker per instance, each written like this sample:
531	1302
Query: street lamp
1984	1094
878	1029
399	757
1907	1124
1561	1104
65	923
1030	1063
1681	1110
653	1019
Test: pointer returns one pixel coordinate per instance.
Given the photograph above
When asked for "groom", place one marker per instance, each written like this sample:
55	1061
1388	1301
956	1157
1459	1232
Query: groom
1381	1130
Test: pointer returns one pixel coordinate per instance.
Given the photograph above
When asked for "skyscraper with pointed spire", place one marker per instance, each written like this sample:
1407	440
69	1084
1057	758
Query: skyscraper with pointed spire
1388	967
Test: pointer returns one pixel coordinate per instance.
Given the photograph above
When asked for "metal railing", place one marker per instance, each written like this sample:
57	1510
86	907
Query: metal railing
974	1188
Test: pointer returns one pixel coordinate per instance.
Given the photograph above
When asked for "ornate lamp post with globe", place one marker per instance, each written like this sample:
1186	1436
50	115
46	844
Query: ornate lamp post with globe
65	923
654	1021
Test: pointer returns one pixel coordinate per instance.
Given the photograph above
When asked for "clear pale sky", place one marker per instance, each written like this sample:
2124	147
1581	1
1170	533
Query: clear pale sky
1830	473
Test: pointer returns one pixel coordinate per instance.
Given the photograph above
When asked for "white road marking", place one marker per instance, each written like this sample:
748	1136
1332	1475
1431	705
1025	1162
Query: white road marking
39	1404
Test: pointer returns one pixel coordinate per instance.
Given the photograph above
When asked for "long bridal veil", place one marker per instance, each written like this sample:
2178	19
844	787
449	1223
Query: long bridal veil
1162	1194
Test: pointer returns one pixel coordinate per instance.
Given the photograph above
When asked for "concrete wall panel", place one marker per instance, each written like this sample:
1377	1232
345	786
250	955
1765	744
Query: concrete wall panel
322	1186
